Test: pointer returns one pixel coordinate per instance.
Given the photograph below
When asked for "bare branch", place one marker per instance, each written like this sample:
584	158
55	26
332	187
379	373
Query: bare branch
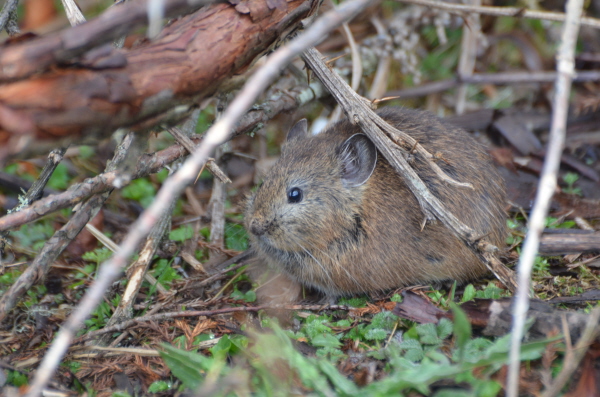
74	14
547	185
20	60
502	11
158	81
491	78
10	7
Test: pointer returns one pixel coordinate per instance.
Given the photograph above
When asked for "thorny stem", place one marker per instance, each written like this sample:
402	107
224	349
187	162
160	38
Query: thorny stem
173	186
547	185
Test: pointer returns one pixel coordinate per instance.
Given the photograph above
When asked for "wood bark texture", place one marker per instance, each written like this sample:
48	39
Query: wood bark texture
138	88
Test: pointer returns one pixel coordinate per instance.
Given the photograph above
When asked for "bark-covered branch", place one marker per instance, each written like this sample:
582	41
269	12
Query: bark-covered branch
141	87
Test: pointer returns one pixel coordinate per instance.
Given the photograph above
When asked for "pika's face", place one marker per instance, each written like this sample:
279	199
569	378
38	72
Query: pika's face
311	198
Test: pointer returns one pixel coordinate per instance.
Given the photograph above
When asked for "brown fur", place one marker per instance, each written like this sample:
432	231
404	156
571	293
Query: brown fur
343	240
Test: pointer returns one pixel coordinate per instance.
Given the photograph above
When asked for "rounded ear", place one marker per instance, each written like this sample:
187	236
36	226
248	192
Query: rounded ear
358	157
300	129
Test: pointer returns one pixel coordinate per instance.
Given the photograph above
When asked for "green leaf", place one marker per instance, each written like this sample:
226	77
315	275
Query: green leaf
339	381
60	178
236	237
428	334
160	386
182	233
360	301
98	255
188	367
16	378
375	334
396	298
469	293
223	347
570	178
444	328
413	351
462	328
140	190
326	340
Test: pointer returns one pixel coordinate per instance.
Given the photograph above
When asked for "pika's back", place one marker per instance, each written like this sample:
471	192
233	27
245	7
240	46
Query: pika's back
335	216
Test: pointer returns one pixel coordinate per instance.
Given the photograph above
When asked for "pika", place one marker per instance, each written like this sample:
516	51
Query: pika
332	214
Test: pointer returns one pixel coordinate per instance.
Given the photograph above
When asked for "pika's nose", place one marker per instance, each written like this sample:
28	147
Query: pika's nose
258	228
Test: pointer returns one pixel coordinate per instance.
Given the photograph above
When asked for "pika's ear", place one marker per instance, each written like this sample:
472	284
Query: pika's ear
358	157
300	129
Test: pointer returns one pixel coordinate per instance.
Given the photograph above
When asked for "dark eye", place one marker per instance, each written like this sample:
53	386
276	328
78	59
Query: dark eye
294	195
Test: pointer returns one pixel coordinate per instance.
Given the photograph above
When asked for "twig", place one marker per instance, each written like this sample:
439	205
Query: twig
173	186
74	14
9	8
36	190
60	240
468	51
574	355
216	211
240	259
187	143
380	80
137	271
565	66
503	11
12	26
206	313
491	78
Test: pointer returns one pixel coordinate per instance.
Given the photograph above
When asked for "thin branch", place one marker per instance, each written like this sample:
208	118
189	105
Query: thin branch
74	14
187	143
471	32
574	355
502	11
380	81
547	185
36	190
173	186
7	11
12	26
491	78
138	269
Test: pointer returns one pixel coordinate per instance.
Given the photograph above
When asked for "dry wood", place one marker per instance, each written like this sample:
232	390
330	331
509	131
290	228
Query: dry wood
138	269
22	59
562	242
515	77
143	86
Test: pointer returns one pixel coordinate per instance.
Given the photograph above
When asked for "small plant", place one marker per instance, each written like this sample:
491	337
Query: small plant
570	178
140	190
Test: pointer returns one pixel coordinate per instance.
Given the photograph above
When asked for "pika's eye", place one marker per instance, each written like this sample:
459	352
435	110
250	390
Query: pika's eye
294	195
